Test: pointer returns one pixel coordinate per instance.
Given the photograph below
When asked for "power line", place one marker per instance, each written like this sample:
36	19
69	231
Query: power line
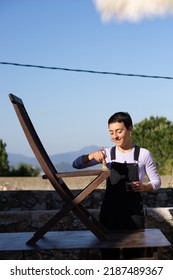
86	71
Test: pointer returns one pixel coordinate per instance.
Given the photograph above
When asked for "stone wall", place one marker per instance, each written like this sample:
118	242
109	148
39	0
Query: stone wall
50	200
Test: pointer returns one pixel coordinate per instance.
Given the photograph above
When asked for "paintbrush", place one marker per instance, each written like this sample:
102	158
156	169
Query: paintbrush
104	167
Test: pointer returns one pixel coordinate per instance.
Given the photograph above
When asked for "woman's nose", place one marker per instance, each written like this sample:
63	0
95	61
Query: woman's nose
115	136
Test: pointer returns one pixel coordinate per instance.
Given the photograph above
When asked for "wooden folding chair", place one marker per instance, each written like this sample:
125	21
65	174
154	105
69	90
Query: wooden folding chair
71	202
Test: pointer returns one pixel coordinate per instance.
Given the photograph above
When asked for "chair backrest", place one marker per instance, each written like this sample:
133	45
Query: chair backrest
38	149
31	134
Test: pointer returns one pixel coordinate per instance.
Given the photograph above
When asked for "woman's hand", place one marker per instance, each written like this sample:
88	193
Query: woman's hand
139	187
98	156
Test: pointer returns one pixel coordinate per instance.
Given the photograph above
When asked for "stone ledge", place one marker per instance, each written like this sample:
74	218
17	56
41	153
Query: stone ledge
161	214
16	221
33	219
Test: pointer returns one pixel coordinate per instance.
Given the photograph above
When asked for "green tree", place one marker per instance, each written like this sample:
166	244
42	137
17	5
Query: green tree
4	167
24	170
156	134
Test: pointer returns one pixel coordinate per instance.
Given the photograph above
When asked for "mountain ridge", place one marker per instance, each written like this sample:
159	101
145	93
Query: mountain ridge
62	161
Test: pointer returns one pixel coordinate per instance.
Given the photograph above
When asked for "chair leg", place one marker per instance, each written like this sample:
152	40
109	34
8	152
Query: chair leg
81	212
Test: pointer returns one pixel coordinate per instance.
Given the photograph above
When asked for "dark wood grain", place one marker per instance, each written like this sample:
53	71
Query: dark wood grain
83	239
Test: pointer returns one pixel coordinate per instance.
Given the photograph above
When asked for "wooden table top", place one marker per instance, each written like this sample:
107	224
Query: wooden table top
83	239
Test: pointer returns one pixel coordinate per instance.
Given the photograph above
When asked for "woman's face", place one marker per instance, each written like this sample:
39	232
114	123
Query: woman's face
120	135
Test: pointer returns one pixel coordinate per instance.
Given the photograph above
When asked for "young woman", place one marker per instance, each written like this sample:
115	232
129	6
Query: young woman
122	206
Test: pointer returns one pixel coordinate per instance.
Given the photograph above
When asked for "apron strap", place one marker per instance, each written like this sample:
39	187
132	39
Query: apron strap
136	153
113	153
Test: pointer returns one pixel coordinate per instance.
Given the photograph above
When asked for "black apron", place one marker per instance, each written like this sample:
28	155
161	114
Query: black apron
122	209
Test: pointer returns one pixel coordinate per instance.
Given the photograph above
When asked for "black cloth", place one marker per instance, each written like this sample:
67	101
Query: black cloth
122	209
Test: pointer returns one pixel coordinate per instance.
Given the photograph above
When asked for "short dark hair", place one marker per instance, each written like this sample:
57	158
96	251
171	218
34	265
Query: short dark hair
121	117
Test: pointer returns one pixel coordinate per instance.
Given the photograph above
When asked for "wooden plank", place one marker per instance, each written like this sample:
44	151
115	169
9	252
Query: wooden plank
83	239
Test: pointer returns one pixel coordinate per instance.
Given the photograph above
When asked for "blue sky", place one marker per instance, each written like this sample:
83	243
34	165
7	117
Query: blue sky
70	109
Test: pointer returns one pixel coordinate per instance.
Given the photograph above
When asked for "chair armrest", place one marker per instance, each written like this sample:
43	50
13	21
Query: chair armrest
79	173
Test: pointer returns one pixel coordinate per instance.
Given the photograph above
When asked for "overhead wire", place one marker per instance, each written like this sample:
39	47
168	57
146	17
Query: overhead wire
86	71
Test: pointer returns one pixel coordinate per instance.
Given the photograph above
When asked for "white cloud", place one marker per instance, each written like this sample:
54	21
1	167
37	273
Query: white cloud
133	10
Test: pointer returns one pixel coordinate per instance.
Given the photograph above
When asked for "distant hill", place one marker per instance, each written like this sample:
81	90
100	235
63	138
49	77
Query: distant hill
62	161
